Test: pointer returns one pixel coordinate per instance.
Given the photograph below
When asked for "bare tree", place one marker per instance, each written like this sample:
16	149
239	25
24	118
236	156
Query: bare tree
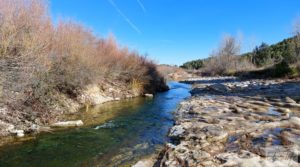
223	59
229	49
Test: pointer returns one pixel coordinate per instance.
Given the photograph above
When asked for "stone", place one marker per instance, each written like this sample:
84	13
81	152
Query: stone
176	131
295	121
201	155
149	95
260	103
68	124
215	132
18	133
144	163
170	145
283	110
34	127
290	100
221	88
208	164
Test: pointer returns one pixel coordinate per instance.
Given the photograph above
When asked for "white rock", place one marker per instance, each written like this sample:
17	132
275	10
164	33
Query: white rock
170	145
148	95
144	163
19	133
68	124
176	131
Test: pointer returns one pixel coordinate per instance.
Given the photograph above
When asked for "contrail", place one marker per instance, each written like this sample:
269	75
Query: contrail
131	24
141	5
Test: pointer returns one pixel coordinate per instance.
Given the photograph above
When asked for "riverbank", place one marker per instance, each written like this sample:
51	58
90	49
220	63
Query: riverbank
228	122
116	133
49	69
25	123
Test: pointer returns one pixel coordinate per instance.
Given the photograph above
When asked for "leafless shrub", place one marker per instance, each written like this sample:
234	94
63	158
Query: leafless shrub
38	59
225	59
25	33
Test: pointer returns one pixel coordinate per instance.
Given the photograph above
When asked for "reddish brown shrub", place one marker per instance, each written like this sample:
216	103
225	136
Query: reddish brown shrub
39	59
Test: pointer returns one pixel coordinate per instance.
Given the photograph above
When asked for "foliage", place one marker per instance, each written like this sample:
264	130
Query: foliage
265	55
193	65
282	69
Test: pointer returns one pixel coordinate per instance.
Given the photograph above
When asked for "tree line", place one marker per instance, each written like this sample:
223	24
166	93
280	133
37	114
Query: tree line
282	58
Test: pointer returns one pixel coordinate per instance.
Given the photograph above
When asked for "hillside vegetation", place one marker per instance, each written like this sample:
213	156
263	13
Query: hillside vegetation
42	61
277	60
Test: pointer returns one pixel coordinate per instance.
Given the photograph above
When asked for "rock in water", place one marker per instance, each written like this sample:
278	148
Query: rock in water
68	124
148	95
221	88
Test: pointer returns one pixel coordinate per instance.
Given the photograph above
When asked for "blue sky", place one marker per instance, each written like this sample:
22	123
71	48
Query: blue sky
175	31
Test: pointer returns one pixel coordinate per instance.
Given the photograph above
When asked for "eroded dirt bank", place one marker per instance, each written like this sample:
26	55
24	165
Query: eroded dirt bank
16	124
228	122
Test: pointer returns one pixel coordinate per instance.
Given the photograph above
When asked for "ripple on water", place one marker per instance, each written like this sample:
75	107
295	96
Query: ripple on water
273	112
269	136
108	125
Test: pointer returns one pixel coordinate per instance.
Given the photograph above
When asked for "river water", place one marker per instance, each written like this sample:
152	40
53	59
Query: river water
115	134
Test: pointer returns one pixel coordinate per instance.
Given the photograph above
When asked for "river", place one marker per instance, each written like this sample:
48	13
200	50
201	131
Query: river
115	134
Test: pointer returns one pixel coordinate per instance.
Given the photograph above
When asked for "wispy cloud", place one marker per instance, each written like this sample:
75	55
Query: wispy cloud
141	5
131	24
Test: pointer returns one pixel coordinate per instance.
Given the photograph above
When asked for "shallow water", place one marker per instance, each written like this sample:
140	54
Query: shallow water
115	134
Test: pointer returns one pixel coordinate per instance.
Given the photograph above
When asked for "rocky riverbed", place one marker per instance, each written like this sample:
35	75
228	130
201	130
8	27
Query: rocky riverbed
228	122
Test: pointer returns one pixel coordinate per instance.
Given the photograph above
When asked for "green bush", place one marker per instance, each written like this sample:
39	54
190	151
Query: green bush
281	69
193	65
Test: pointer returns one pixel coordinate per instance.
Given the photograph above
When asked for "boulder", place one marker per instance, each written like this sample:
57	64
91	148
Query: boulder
220	88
